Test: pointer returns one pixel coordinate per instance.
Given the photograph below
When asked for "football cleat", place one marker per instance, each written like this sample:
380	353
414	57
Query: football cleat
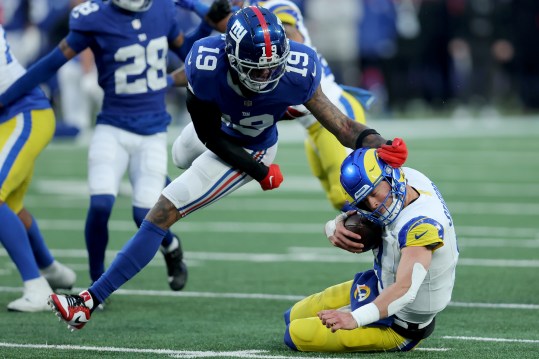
176	268
72	309
34	298
59	276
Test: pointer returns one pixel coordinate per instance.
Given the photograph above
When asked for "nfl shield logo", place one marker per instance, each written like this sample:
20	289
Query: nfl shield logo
247	103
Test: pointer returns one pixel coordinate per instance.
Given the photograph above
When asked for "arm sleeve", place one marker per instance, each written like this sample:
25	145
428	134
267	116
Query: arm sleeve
203	30
38	73
207	122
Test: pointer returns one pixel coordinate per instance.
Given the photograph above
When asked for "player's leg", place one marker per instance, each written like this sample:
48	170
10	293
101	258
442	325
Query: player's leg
187	147
57	274
107	162
22	138
147	172
310	335
305	331
207	180
334	297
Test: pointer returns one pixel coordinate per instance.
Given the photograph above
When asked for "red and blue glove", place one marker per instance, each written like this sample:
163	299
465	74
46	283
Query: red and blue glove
273	179
394	153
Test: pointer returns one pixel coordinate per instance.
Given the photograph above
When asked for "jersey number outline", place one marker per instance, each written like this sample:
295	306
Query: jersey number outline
86	8
150	59
295	60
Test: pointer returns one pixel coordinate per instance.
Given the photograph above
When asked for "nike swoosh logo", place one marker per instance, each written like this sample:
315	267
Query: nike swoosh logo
271	181
417	236
314	72
189	59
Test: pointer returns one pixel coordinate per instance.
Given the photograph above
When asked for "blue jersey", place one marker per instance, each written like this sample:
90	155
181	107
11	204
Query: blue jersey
251	121
130	50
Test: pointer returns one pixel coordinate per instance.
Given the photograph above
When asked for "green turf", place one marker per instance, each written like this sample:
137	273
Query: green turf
489	183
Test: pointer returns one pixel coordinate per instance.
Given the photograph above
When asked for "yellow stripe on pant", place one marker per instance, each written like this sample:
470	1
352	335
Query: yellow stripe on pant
22	138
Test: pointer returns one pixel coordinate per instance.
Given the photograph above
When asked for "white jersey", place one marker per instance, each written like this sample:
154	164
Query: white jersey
424	222
290	14
10	68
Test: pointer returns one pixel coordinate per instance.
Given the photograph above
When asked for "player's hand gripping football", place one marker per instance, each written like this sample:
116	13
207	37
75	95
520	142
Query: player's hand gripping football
341	237
273	179
394	153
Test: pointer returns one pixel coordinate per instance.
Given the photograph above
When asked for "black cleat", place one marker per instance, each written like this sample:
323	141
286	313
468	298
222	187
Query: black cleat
176	268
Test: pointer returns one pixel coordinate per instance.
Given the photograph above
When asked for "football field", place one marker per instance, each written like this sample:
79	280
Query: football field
253	254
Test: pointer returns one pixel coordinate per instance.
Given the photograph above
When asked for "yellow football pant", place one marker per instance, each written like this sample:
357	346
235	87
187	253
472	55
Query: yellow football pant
325	153
310	335
22	138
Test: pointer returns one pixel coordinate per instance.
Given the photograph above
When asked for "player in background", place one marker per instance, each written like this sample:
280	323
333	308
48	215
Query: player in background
130	40
26	127
324	152
236	119
393	306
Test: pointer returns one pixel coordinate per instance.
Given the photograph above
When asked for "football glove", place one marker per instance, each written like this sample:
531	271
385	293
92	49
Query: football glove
273	179
394	153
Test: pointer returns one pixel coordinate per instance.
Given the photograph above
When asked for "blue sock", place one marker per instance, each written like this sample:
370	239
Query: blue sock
42	254
134	256
96	232
15	240
138	216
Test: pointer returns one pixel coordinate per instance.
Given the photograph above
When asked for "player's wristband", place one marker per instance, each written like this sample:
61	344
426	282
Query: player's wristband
366	314
363	134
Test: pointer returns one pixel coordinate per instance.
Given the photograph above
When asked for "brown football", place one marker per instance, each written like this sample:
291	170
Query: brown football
371	233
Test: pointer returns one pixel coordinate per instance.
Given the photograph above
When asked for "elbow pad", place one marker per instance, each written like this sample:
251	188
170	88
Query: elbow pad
418	275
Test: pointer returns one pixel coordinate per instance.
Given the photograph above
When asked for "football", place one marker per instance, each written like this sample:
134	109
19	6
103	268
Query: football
371	233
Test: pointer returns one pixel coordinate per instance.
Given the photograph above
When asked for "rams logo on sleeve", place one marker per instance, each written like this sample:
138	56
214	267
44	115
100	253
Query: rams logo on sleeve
422	232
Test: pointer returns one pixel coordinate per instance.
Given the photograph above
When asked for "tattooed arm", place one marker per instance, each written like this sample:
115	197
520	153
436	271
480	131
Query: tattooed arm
346	130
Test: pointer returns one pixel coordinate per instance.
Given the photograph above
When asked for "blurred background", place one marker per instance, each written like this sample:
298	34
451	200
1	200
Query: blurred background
421	58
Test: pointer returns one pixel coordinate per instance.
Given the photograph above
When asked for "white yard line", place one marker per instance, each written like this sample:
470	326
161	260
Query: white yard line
253	353
277	297
499	340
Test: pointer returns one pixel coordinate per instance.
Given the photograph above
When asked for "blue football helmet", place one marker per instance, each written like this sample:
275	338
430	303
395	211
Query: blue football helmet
361	172
133	5
257	48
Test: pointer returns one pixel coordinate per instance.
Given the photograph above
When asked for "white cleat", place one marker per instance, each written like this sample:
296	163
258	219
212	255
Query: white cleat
59	276
34	298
